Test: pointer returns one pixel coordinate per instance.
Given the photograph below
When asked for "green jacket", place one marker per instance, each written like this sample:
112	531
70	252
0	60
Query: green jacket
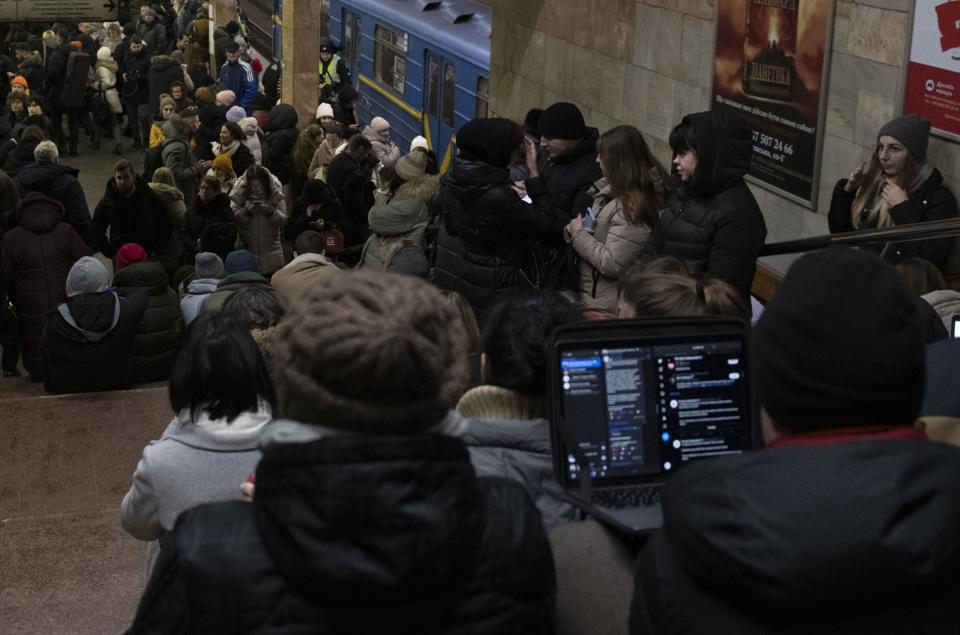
398	223
160	331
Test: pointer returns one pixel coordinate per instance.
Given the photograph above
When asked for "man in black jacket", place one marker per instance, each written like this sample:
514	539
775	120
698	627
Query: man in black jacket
848	521
349	178
131	213
367	516
135	71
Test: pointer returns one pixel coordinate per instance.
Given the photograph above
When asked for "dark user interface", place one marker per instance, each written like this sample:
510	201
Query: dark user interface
649	409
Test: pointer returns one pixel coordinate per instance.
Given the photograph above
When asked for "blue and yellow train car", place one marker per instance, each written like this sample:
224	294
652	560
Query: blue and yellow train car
421	64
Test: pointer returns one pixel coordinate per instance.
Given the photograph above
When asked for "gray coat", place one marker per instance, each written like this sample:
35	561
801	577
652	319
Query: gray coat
260	223
519	450
191	464
197	292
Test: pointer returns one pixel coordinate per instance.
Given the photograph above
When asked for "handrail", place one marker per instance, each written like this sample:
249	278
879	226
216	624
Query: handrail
904	233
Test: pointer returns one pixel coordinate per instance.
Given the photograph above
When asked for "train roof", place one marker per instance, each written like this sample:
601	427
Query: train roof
459	26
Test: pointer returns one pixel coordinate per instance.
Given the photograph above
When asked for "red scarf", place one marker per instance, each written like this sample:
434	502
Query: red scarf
833	436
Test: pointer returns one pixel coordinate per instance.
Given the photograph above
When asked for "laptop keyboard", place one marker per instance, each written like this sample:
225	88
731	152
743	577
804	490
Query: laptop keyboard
620	497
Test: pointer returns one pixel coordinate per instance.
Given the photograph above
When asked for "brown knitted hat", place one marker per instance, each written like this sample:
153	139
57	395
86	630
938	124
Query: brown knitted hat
370	352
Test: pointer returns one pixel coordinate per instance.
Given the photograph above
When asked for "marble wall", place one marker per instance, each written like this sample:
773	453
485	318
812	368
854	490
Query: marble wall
647	63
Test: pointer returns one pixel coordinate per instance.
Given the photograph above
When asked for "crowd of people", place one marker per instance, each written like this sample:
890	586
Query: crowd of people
355	348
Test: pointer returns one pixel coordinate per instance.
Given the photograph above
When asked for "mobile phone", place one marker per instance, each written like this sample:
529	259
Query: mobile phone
956	327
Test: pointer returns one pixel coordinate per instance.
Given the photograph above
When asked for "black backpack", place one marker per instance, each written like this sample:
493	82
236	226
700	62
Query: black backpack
153	158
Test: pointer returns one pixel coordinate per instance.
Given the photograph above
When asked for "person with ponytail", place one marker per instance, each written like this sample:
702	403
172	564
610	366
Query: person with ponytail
897	187
650	290
626	207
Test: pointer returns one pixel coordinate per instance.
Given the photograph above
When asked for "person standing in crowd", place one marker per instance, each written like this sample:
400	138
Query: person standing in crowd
177	155
366	370
105	81
839	396
309	269
485	250
37	256
210	207
898	187
164	187
506	429
626	207
303	150
130	212
18	151
197	55
151	31
208	272
167	109
648	291
279	143
30	66
223	400
113	36
231	145
399	219
164	71
15	111
333	72
237	75
317	208
260	212
349	178
251	137
60	183
222	168
711	217
179	94
160	330
87	342
378	134
135	70
925	280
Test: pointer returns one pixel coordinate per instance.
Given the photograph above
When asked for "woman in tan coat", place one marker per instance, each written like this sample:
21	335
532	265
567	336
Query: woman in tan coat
626	206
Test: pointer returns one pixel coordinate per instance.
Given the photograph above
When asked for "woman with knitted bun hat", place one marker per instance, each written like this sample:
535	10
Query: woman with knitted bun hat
898	186
367	515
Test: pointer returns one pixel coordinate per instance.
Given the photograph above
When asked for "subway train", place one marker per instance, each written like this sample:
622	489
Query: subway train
421	64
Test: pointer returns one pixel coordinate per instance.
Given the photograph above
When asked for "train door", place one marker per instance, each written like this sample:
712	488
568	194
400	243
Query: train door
440	81
350	42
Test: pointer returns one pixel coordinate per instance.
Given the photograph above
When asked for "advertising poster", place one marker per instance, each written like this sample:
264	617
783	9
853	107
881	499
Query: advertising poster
770	69
933	75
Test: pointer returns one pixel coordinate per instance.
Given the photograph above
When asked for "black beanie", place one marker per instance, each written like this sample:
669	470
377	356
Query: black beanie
490	140
531	123
232	28
562	120
840	345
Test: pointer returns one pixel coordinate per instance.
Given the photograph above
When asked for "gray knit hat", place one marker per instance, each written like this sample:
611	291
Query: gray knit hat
208	266
371	352
87	275
913	131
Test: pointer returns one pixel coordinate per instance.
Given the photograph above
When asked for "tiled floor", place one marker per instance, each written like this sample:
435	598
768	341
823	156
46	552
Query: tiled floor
66	566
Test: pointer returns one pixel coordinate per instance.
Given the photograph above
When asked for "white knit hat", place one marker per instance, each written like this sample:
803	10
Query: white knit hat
324	110
419	142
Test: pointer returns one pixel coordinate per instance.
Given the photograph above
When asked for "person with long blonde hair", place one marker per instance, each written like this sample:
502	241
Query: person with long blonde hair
897	187
626	207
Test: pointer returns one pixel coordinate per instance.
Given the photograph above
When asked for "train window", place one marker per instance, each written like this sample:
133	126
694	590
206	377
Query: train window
449	92
324	18
483	95
351	39
433	85
390	58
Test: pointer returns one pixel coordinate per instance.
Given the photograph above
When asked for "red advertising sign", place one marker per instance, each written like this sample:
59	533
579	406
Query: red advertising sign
933	75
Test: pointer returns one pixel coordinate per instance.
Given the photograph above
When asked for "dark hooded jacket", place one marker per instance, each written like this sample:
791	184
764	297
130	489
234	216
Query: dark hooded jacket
566	180
32	70
856	537
60	183
19	154
37	256
322	203
164	70
160	330
359	534
139	218
929	201
714	221
202	215
485	249
95	352
350	181
279	142
212	118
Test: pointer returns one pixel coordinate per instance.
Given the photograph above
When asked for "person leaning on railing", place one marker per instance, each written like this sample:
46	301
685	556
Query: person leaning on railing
898	187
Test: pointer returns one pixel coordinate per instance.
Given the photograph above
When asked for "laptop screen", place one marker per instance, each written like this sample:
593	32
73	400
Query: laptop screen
648	409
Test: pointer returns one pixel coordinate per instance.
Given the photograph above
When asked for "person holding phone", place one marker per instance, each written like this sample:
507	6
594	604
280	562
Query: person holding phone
260	212
897	187
626	207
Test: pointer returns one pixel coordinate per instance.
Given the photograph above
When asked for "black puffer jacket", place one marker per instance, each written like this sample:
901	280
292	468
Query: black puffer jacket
359	534
138	218
931	200
164	70
60	183
279	142
202	215
860	537
486	249
714	221
567	179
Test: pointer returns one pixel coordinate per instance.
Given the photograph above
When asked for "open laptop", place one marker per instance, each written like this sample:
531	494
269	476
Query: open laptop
633	401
